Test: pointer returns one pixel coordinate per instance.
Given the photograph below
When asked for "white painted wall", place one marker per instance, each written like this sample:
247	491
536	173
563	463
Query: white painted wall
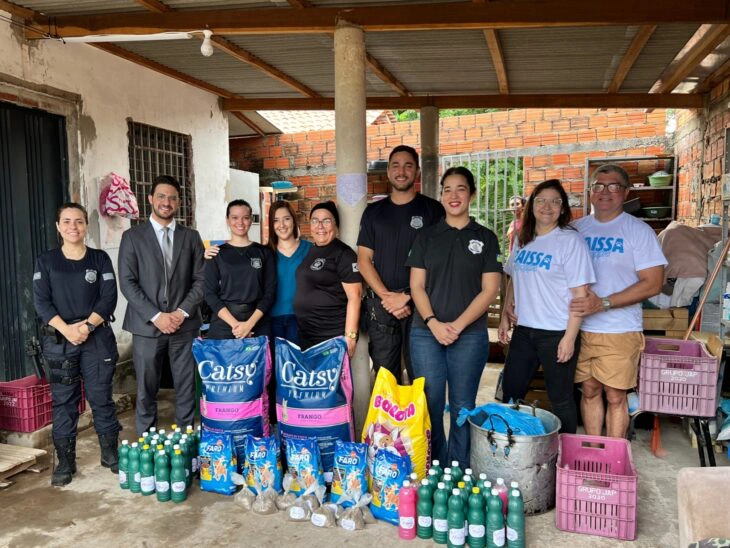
112	90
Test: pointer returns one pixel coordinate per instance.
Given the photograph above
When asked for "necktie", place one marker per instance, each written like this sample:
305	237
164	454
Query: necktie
167	249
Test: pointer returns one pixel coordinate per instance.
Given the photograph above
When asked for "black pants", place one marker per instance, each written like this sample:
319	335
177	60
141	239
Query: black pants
148	353
528	349
221	330
93	361
389	338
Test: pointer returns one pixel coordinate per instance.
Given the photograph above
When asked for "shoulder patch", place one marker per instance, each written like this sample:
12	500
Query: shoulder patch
36	276
107	276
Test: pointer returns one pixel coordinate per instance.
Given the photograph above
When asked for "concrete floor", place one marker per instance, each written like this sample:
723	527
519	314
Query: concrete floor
93	511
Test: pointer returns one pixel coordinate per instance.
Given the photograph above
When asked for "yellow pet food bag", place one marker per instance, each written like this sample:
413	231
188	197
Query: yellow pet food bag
398	422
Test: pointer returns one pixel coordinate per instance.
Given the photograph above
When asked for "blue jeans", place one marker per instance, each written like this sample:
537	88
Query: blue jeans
285	327
459	366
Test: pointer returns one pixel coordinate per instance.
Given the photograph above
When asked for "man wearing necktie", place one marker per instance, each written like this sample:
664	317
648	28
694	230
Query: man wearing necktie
161	274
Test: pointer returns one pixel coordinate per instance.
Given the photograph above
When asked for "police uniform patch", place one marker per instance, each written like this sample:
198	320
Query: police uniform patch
416	222
107	276
90	276
256	262
36	276
476	246
318	264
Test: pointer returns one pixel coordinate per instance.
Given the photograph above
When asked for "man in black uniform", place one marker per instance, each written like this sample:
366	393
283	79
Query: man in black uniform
75	293
387	230
161	273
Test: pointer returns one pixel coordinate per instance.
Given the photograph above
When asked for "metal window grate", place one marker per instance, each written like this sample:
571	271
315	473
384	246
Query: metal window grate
154	151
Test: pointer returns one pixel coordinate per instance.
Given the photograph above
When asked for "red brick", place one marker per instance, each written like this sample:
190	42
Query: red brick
561	125
550	139
499	118
532	140
560	159
605	133
490	131
473	133
553	173
566	137
514	142
625	133
587	136
269	163
543	127
496	144
579	123
517	115
647	131
598	121
377	142
534	114
282	163
541	161
573	173
535	175
551	114
508	130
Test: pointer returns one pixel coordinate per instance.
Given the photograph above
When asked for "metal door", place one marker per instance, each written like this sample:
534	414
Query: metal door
33	184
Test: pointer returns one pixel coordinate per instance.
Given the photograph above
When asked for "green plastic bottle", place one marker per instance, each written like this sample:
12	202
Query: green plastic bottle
124	465
469	482
134	475
146	471
515	520
176	436
168	449
457	537
495	521
481	481
476	518
448	482
456	473
424	510
162	476
433	480
177	477
185	445
440	514
436	465
464	493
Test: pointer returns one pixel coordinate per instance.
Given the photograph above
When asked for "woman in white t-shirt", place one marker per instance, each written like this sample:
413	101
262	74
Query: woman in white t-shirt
550	265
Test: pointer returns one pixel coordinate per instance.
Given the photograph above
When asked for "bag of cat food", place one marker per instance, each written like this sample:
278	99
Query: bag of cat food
234	373
263	464
304	464
314	394
217	462
349	481
389	472
398	422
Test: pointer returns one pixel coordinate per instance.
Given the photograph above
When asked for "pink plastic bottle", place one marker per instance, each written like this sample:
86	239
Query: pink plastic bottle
407	511
503	492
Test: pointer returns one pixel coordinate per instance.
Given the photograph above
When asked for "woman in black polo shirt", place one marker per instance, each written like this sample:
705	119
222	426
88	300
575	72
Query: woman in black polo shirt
329	285
240	281
455	276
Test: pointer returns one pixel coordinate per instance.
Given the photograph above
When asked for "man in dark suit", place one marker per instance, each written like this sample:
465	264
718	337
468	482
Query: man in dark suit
161	274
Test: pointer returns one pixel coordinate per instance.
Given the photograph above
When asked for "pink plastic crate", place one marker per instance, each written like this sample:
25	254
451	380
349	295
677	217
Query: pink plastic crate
25	404
595	492
678	377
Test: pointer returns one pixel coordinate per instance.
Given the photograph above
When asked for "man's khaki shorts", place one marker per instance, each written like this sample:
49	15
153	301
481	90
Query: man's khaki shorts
610	358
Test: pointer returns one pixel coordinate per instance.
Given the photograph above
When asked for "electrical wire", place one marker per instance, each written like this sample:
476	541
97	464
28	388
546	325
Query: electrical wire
24	26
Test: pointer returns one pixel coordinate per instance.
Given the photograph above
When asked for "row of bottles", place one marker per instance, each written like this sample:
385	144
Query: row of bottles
165	468
464	513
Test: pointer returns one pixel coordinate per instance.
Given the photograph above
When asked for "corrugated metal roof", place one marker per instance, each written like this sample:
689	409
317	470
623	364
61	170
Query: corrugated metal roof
64	7
434	61
659	51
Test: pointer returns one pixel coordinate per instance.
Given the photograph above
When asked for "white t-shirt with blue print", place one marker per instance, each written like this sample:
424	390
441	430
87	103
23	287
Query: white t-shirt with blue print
543	272
620	248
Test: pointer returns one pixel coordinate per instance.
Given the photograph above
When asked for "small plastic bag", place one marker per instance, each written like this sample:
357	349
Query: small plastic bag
285	500
265	503
326	514
301	510
353	518
245	498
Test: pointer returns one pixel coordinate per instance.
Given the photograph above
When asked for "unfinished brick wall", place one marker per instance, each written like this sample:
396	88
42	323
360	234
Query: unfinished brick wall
553	142
700	150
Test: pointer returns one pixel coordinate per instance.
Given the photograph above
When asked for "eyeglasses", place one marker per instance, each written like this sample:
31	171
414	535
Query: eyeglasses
170	197
557	202
324	222
612	187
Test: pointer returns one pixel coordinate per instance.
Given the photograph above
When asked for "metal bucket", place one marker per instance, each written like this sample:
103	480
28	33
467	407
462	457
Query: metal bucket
528	460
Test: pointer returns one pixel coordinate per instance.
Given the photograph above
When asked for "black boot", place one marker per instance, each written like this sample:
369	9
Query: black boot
109	453
66	467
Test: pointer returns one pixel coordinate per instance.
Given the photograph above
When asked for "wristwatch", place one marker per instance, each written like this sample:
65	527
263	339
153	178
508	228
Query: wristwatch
351	335
606	304
90	326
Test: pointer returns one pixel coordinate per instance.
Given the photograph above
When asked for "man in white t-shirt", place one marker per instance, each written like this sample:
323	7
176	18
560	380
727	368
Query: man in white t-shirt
629	266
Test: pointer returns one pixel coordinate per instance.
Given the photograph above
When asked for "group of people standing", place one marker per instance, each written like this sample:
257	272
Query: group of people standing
431	273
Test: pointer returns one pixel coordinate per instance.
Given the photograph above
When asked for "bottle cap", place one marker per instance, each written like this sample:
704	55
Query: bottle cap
461	485
483	476
161	451
162	431
454	464
441	485
145	434
515	493
146	447
447	477
168	442
424	482
435	462
135	444
495	493
514	485
178	452
414	477
433	472
153	429
475	490
447	471
177	429
469	472
173	426
160	447
500	481
125	442
140	440
487	484
406	483
467	477
455	492
189	428
176	447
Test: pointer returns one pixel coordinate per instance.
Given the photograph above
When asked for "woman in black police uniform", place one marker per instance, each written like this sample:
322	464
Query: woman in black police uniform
329	285
75	293
455	276
240	281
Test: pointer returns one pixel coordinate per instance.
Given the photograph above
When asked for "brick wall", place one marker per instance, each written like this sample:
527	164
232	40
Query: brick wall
553	142
700	150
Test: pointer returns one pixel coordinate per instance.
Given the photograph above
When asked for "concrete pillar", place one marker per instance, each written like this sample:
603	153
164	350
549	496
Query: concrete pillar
430	152
350	140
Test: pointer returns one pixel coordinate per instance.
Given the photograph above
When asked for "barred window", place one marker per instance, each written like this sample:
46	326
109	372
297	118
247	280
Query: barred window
154	151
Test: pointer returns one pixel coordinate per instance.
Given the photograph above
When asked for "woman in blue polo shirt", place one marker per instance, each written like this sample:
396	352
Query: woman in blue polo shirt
549	266
455	276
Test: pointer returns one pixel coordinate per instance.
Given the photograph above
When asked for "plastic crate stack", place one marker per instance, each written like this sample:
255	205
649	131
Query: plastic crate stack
596	484
26	406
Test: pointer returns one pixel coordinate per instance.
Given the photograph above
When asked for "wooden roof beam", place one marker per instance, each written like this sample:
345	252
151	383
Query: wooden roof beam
495	52
23	13
632	54
722	72
154	5
250	123
575	100
704	41
413	17
300	4
385	75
